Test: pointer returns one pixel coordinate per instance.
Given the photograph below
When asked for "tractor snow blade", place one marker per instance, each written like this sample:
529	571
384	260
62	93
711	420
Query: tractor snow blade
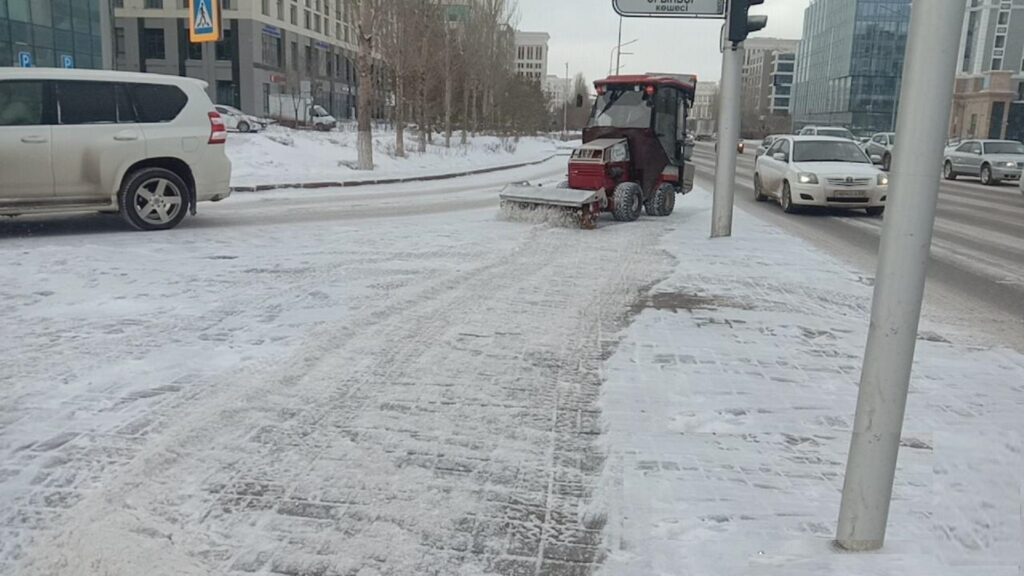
562	205
547	195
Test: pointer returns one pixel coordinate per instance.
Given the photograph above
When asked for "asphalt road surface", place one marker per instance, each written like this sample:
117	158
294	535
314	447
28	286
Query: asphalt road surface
976	273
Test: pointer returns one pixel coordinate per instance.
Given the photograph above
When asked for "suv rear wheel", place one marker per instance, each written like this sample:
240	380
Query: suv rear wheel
154	199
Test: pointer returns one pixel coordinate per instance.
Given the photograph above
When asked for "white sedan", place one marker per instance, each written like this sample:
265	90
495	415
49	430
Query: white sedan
819	171
237	120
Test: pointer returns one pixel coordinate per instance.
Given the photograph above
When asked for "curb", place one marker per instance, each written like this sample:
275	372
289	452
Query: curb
398	180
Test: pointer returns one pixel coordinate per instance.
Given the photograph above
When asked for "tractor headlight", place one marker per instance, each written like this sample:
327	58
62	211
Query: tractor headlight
807	178
883	180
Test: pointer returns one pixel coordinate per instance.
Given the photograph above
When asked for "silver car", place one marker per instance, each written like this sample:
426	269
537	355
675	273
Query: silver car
879	149
990	160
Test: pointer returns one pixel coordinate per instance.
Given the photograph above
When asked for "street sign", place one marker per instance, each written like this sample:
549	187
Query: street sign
204	21
671	8
25	59
67	61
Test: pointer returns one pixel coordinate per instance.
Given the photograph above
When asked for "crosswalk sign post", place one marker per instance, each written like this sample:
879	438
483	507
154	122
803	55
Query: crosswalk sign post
204	21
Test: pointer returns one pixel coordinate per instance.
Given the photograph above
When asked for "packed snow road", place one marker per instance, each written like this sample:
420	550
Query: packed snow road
388	380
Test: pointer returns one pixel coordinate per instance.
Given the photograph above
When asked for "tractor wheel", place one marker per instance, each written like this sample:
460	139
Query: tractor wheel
628	198
662	202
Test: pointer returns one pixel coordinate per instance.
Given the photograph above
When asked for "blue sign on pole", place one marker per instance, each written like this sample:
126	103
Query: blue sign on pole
67	61
25	59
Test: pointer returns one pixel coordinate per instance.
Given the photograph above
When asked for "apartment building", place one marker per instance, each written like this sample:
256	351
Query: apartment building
531	55
703	120
988	100
768	68
298	47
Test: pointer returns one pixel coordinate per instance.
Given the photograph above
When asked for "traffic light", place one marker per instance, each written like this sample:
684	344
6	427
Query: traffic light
741	23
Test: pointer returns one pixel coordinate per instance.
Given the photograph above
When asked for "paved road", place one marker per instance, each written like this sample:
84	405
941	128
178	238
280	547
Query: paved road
976	274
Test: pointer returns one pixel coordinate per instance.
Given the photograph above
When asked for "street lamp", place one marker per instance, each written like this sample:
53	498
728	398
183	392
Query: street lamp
619	49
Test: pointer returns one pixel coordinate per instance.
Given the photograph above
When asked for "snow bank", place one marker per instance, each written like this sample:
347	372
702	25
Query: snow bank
282	155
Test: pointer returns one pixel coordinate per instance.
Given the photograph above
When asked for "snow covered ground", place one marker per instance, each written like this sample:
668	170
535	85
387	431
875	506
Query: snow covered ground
729	405
394	380
282	155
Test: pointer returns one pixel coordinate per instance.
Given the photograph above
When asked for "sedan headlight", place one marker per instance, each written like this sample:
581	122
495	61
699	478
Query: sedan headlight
883	180
807	178
1010	164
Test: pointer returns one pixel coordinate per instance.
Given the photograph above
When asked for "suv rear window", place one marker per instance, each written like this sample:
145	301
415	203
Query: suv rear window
158	102
21	103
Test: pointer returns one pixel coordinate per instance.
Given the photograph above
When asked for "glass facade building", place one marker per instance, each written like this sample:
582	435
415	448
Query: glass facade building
850	64
61	33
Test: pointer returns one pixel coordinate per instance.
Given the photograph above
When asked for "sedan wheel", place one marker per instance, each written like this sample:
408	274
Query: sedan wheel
986	176
243	126
947	171
787	200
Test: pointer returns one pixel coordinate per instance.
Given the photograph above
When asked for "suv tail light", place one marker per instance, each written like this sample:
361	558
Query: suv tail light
218	130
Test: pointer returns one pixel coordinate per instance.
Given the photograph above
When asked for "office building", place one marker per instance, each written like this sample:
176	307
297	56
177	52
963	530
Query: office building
703	118
850	63
55	33
531	55
269	47
768	69
988	100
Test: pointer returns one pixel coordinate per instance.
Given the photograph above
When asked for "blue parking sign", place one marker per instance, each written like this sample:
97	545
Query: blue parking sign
25	59
67	61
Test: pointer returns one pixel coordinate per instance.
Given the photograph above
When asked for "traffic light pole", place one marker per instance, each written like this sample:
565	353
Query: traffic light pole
927	95
728	138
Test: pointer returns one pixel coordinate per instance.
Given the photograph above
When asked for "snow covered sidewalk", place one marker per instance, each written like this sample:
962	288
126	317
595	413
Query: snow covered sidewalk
728	409
279	156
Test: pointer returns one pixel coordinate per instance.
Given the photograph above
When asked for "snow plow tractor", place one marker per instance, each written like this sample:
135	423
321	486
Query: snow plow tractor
634	155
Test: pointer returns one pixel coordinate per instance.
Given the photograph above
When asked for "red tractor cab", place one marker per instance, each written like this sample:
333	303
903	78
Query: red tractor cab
633	156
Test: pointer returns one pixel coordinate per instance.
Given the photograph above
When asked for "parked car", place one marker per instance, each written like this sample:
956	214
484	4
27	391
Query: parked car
765	145
990	160
879	149
740	146
705	138
143	145
833	131
235	119
819	171
293	110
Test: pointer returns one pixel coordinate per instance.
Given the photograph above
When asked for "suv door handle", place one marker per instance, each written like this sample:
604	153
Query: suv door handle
34	139
126	136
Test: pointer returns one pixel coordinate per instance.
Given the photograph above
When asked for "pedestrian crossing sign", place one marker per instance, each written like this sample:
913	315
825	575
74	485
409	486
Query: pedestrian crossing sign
204	21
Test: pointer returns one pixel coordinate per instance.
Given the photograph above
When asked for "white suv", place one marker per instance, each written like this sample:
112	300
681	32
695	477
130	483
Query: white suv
145	145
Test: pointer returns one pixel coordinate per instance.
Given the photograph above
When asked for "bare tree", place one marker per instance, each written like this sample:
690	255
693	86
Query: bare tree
369	12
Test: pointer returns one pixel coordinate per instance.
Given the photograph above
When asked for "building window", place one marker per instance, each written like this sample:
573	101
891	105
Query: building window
118	3
295	55
1000	41
195	51
997	64
227	93
309	19
225	47
266	98
295	15
265	6
154	4
1004	18
271	50
119	41
153	43
280	10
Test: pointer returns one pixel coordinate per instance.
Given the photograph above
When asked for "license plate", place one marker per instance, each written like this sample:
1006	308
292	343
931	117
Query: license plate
849	193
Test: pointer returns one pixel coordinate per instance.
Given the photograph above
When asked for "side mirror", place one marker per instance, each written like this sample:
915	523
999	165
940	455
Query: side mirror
876	158
781	157
579	100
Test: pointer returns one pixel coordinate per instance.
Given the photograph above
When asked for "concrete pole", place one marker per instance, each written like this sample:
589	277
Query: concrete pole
928	75
565	105
728	137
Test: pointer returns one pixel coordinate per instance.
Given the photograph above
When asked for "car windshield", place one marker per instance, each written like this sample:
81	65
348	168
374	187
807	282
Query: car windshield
622	109
836	133
828	151
1004	148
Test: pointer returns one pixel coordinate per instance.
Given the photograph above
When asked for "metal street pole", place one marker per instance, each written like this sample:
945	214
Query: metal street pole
728	137
618	58
565	104
928	75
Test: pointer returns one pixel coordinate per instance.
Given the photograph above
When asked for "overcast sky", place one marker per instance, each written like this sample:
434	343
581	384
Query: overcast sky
584	32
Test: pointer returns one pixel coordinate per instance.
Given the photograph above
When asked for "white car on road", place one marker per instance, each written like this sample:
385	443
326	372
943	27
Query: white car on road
803	171
237	120
146	146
